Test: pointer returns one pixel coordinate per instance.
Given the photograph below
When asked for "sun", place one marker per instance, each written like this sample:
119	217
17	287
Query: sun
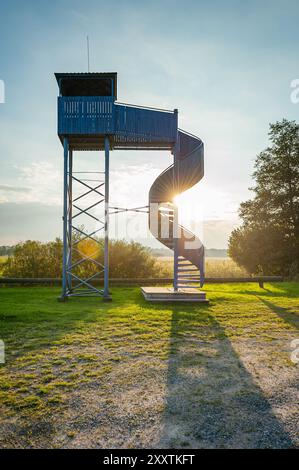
178	200
187	205
206	203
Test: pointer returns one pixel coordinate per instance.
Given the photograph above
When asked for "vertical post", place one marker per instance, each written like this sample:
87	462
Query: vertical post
175	228
106	295
65	210
175	207
70	215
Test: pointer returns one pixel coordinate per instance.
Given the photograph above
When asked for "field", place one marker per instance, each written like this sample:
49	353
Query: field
132	374
214	267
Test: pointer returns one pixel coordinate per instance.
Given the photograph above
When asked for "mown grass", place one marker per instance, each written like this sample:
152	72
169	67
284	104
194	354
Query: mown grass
53	349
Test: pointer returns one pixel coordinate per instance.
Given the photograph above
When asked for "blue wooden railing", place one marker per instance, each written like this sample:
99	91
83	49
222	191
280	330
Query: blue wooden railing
85	115
147	124
99	115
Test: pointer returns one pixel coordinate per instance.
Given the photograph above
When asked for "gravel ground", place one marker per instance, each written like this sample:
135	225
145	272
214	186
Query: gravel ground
229	396
185	380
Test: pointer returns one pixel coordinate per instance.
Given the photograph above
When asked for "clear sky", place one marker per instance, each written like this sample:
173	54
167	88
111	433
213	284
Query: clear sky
226	65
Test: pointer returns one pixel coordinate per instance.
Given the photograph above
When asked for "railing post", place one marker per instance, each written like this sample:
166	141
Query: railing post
106	295
65	219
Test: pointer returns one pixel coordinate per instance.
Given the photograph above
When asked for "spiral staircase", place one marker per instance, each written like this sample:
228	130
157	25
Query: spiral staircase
187	170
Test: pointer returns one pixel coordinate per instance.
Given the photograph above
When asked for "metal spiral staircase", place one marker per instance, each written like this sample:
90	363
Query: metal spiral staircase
187	170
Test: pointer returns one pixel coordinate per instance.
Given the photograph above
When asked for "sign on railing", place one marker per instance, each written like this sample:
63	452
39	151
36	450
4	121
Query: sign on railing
85	115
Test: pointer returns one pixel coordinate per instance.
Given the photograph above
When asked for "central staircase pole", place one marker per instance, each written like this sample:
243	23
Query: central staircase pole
175	223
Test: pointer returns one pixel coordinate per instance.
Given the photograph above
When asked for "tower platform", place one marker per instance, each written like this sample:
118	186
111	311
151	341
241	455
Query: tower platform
168	294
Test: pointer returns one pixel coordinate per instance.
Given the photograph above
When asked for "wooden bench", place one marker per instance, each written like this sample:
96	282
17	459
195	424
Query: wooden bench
141	281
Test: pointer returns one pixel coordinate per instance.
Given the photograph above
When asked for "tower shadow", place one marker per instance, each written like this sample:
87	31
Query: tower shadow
284	313
211	398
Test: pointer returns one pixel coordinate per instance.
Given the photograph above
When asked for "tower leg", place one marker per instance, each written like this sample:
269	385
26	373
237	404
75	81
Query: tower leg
106	295
65	219
70	215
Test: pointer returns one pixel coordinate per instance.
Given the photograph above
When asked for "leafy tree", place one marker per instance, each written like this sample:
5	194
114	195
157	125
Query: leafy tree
268	240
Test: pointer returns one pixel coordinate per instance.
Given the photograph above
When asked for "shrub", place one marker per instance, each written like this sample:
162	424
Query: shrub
35	259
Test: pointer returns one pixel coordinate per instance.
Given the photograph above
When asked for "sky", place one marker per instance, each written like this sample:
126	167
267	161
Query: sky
227	67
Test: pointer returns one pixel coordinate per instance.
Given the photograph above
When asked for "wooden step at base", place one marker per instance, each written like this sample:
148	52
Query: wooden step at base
168	294
185	286
189	276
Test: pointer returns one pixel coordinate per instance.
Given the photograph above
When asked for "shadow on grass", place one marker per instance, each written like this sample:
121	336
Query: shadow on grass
211	398
285	314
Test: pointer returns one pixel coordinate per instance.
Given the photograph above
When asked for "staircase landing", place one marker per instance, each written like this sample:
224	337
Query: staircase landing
167	294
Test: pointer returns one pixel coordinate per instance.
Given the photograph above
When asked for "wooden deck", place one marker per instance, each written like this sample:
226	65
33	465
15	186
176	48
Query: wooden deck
167	294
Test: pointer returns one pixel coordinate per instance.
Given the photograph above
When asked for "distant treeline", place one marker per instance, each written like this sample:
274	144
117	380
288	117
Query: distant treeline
6	250
126	259
156	252
210	252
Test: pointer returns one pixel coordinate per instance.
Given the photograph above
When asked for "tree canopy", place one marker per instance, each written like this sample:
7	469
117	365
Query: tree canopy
268	240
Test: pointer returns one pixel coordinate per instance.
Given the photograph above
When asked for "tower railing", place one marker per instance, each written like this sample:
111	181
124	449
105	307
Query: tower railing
100	115
145	123
85	115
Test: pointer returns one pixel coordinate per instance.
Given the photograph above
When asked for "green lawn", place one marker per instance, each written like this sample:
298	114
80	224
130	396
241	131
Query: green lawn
133	374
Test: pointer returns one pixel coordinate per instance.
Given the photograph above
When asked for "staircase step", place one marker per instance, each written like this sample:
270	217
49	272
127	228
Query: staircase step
189	276
185	286
193	272
189	280
188	270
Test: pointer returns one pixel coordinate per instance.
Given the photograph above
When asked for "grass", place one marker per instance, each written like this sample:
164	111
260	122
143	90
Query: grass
58	353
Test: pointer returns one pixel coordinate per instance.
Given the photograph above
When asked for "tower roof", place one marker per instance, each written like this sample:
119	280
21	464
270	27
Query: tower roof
87	84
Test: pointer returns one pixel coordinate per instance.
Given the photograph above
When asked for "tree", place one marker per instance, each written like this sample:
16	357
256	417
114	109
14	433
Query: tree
268	240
